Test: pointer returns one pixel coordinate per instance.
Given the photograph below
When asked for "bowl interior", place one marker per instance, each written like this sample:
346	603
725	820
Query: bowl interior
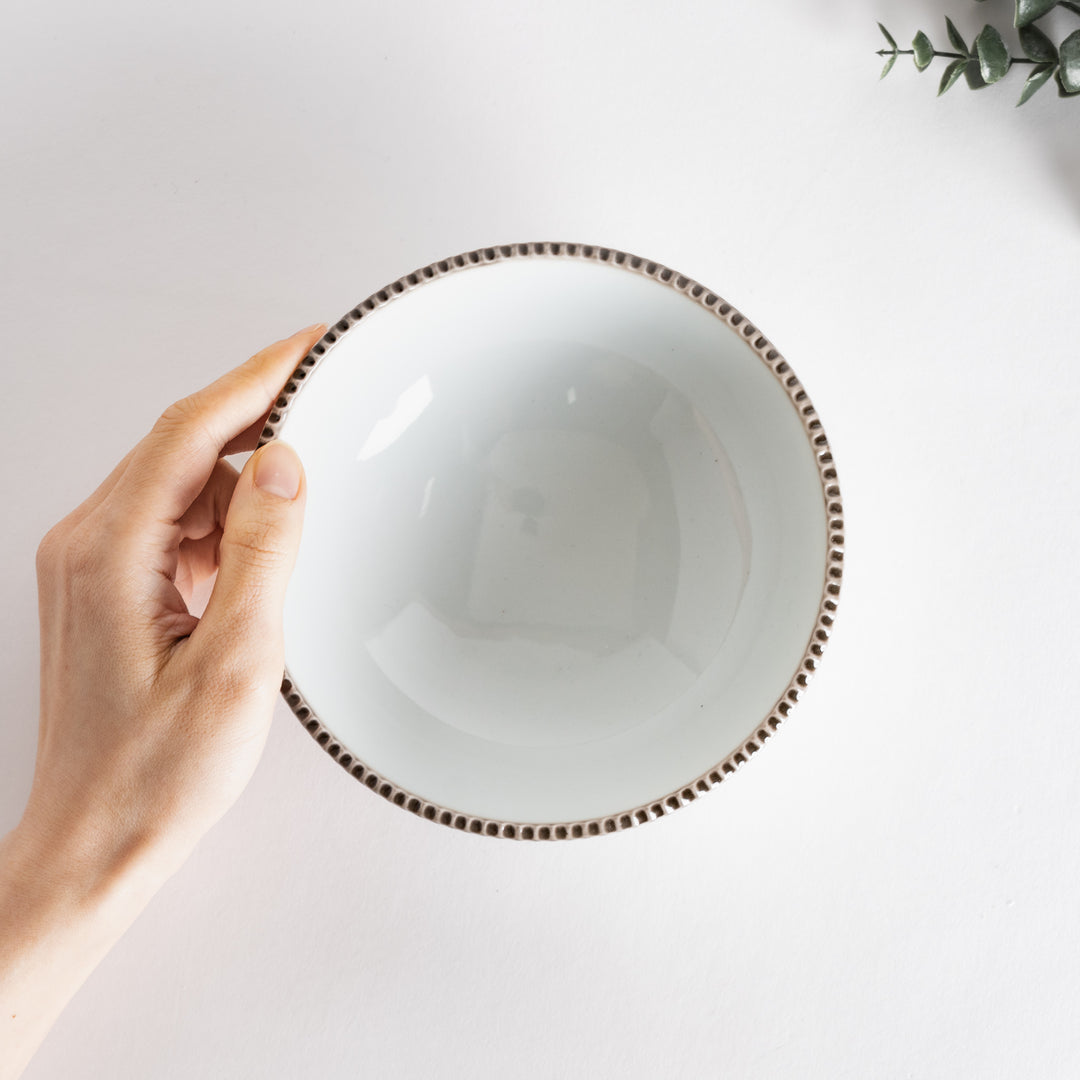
565	540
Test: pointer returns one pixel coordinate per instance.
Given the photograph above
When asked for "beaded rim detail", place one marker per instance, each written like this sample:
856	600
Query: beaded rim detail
819	636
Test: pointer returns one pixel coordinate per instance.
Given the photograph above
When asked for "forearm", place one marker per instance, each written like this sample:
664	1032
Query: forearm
61	910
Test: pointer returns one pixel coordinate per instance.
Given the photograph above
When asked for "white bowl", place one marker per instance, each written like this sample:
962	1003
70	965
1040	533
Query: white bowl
572	543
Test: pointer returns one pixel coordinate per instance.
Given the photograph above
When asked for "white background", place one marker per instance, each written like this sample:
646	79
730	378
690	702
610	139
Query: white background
892	888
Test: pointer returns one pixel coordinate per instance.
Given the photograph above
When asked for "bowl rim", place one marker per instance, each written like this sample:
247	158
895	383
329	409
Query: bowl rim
832	576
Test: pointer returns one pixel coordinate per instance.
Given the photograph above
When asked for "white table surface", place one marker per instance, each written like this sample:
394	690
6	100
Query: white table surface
891	888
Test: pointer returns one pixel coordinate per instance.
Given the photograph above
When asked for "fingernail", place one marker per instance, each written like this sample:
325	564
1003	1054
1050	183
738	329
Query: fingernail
278	470
311	329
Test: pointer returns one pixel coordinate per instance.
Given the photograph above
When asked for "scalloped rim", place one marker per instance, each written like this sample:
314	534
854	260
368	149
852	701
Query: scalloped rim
770	356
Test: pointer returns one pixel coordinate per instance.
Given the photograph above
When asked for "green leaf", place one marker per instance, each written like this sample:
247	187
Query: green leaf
1037	46
954	36
888	37
1027	11
924	51
888	65
1069	73
952	73
1035	80
973	76
993	56
1062	92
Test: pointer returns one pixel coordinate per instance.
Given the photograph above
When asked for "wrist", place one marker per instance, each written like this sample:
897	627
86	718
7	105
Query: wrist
59	915
82	866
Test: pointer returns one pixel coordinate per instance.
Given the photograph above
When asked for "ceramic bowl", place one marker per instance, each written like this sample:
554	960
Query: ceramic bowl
572	546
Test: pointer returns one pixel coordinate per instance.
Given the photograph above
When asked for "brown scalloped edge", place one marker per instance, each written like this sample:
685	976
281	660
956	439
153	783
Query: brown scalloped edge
639	815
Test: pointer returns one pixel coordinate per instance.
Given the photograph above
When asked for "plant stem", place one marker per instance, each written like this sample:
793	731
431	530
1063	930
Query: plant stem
954	56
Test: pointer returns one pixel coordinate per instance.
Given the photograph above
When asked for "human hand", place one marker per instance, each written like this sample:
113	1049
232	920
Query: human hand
152	717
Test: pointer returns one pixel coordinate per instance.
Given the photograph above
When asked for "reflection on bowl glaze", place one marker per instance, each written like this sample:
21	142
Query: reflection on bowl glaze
560	551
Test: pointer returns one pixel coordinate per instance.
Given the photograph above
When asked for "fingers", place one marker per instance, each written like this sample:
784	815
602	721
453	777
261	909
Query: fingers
256	556
173	463
196	570
211	505
248	439
203	518
196	560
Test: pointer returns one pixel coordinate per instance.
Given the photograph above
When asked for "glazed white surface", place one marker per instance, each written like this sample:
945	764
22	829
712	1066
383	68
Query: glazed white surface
565	540
888	889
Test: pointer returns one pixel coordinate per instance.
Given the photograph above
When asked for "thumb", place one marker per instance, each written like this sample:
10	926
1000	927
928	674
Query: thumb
258	548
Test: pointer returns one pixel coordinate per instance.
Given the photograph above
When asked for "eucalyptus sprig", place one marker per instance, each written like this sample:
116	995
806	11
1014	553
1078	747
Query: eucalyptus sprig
988	60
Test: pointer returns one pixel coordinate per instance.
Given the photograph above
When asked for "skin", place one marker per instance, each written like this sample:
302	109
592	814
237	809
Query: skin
160	603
